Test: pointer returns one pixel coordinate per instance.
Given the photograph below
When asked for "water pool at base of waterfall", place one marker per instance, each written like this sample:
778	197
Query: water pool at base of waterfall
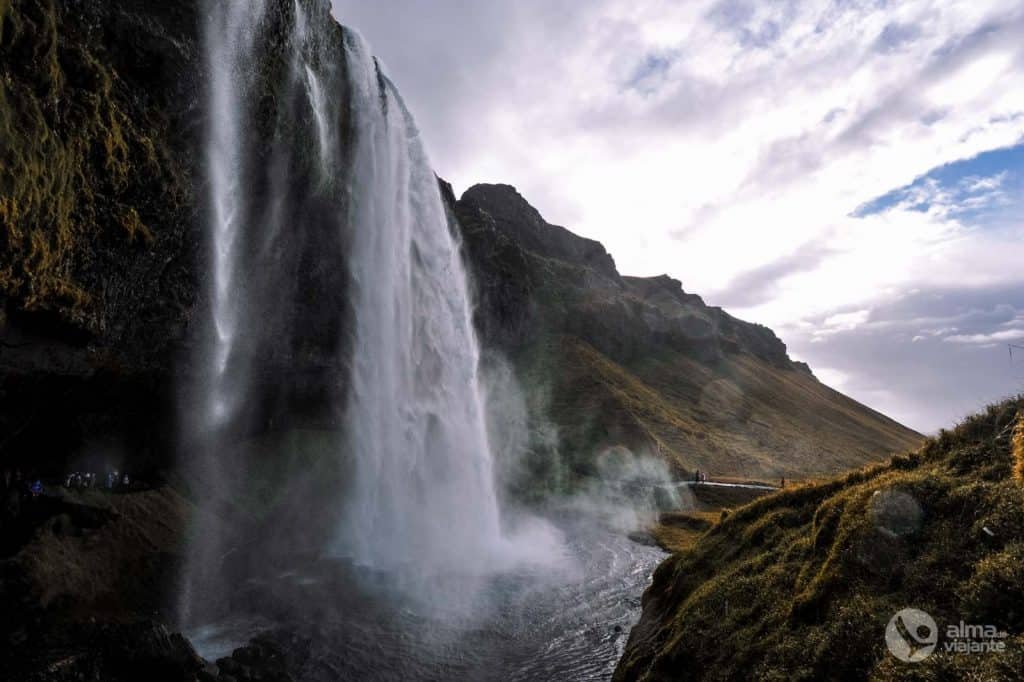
340	622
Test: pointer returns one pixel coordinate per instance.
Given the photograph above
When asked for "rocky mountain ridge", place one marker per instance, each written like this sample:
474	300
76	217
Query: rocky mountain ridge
640	363
623	316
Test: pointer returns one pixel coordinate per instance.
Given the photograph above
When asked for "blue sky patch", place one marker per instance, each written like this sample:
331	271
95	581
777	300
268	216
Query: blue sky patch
983	190
650	73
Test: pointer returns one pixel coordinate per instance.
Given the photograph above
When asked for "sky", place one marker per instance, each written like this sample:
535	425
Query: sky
848	173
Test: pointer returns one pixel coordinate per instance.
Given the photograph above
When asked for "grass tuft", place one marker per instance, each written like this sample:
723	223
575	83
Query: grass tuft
1018	448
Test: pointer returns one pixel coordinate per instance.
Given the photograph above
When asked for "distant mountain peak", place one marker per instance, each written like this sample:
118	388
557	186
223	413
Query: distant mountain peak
514	215
639	362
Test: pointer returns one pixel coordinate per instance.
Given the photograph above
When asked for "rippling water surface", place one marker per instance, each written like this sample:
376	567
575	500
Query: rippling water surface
564	623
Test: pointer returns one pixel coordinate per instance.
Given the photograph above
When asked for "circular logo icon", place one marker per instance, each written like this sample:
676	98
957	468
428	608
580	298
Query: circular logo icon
911	635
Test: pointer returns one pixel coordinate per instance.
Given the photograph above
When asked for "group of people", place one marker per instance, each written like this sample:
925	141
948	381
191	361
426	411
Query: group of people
31	486
26	487
700	476
79	480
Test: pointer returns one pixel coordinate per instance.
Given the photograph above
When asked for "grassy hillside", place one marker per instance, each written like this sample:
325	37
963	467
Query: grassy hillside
800	585
738	417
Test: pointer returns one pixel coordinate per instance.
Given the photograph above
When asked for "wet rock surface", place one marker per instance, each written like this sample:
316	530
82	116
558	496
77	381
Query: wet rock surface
262	660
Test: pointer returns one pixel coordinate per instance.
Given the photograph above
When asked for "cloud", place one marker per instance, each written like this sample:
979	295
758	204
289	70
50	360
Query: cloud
839	323
735	144
762	283
916	372
994	337
895	36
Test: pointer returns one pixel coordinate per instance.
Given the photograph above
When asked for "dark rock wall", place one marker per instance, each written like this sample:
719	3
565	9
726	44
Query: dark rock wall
103	253
98	123
514	216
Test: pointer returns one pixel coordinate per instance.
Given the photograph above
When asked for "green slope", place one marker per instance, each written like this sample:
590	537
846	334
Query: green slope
738	417
800	585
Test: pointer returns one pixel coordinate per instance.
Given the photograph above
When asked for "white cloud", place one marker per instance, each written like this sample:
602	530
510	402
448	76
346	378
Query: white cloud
832	377
994	337
841	322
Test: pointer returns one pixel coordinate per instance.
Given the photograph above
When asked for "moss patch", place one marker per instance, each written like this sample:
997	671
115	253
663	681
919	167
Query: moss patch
78	165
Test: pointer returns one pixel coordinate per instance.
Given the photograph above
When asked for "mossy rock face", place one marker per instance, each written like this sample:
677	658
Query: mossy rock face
103	253
1018	448
801	584
99	241
95	181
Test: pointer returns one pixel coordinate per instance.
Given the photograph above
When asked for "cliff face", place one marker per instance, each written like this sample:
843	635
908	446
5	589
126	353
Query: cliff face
639	362
569	284
95	185
97	221
103	254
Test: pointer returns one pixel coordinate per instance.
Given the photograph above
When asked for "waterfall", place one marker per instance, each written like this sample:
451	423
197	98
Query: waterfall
339	407
263	360
424	495
229	44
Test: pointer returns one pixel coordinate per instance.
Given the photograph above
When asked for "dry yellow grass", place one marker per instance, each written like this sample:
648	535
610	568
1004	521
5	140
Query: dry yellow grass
742	419
1018	448
679	531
